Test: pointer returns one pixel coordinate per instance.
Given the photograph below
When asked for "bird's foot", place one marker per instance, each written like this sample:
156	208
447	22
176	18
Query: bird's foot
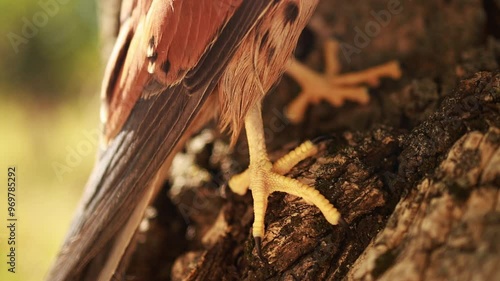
333	87
264	178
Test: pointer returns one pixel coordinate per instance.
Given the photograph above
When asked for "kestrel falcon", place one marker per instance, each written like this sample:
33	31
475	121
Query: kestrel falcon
177	64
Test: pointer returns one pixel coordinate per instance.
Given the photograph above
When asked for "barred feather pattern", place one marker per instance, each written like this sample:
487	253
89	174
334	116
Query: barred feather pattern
260	61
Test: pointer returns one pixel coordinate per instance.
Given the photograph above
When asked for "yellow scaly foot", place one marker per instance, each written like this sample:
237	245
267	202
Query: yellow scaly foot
264	178
331	86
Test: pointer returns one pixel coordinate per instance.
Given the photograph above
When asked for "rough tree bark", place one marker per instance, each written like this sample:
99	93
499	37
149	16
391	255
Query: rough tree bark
415	173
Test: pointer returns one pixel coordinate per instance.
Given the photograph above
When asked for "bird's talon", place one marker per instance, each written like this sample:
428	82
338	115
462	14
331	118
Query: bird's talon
258	247
343	223
333	87
322	138
263	178
223	190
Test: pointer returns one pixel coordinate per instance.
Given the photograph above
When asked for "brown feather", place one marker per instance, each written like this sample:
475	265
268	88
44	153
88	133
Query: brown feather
260	61
166	33
242	50
152	131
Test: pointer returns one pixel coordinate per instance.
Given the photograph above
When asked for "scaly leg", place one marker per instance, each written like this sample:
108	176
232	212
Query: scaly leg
263	178
331	86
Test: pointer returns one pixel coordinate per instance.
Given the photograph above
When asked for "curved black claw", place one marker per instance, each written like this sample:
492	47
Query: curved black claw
343	223
349	235
258	245
319	139
224	190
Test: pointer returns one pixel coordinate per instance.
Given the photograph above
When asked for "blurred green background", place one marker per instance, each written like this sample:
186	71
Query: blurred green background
50	72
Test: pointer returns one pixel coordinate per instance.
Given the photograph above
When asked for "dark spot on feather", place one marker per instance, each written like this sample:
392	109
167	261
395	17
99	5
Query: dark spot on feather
291	13
165	66
270	54
152	58
151	43
264	39
276	2
150	53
